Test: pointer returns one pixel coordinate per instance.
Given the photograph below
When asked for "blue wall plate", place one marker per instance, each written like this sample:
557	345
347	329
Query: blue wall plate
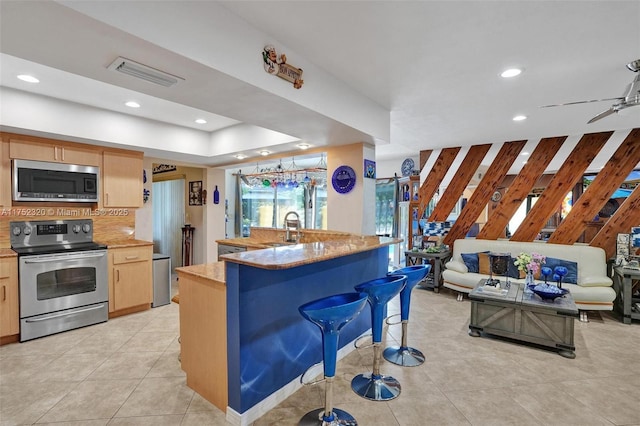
343	179
407	167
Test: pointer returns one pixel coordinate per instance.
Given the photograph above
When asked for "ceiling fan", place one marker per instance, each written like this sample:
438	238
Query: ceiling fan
630	98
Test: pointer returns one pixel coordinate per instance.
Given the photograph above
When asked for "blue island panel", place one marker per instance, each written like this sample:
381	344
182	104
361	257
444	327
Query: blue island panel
269	343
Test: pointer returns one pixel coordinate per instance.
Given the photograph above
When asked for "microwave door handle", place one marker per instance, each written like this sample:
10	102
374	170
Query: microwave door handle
57	259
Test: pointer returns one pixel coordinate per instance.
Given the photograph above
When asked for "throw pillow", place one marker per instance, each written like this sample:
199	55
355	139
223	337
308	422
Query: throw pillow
572	268
514	272
484	266
471	260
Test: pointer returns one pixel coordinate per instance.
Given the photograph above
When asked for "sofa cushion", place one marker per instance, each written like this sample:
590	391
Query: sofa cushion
596	282
484	265
454	265
513	271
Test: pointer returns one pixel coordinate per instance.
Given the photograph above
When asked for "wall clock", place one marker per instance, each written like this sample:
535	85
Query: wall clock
407	167
343	179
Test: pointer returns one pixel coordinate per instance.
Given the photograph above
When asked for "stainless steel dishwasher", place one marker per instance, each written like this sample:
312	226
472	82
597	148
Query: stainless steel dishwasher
161	280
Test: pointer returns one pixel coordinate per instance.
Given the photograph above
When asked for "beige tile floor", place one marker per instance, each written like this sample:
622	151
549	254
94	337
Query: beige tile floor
126	372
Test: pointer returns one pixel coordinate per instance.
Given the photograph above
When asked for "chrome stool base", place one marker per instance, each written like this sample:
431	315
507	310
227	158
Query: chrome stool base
340	418
406	357
376	387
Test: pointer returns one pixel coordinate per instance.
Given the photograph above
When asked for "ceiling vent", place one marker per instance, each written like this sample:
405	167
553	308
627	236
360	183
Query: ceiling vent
135	69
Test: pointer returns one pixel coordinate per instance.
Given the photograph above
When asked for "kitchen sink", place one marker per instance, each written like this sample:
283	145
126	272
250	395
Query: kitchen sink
277	244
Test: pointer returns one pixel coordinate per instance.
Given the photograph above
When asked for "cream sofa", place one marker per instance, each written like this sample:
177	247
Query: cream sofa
593	290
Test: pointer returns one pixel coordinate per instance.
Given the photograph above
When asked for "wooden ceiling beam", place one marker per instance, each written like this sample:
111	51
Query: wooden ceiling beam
436	175
481	196
456	187
424	157
627	215
520	187
562	182
621	163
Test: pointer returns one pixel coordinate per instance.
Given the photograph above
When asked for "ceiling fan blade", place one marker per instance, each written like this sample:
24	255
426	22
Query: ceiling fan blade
583	102
603	114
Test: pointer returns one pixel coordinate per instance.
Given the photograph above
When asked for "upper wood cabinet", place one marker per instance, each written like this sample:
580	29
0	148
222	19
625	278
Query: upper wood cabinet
5	174
122	178
9	313
54	151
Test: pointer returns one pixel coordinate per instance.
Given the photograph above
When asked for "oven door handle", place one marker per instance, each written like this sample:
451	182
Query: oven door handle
64	314
65	258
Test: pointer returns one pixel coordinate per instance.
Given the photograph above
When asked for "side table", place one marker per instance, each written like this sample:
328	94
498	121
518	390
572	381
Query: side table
437	259
623	284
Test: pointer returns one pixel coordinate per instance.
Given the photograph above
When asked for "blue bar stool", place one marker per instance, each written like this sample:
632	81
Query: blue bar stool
375	386
331	314
404	355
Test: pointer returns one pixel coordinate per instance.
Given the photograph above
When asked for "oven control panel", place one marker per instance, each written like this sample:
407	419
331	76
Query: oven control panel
50	232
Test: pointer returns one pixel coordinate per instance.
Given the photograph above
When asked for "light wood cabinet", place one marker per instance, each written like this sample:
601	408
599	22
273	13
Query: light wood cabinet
130	278
5	174
54	151
9	311
122	178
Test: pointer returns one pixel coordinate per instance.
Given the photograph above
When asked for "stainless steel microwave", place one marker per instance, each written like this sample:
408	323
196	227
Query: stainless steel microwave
43	181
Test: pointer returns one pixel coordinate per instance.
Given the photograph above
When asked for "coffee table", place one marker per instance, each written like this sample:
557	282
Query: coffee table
524	317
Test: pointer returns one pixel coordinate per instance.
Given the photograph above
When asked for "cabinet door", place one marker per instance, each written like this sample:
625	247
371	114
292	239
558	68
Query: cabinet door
54	151
9	313
131	285
122	179
5	174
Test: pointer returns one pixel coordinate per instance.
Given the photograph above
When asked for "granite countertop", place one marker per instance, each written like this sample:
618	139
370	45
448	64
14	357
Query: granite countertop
290	256
7	252
247	242
212	271
126	243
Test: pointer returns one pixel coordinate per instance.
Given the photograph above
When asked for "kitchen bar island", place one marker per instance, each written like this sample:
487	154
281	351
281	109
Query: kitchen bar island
244	345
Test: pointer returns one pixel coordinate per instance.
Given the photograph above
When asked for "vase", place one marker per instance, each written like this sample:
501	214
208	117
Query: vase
528	280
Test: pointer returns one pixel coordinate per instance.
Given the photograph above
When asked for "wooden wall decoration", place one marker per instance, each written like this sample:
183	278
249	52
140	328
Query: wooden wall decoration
627	215
556	186
564	180
424	157
598	193
520	187
492	178
435	176
456	187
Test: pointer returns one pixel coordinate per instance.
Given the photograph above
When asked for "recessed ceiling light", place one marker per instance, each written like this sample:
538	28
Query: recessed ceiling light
132	104
201	121
511	72
264	153
519	117
303	145
524	153
240	156
28	78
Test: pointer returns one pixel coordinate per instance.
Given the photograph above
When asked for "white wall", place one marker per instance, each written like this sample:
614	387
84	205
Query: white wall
144	215
214	221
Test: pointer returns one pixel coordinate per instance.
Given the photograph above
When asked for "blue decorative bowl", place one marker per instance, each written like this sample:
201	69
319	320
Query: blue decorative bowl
548	292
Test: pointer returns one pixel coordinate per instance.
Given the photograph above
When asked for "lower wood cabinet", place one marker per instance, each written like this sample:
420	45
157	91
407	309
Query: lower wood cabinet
130	278
9	309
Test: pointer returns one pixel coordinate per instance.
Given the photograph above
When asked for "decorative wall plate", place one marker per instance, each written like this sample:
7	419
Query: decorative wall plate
343	179
407	167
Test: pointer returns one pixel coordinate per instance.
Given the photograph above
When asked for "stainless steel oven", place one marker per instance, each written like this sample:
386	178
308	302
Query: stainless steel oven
63	277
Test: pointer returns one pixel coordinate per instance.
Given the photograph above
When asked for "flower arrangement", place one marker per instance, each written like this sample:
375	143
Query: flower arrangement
529	262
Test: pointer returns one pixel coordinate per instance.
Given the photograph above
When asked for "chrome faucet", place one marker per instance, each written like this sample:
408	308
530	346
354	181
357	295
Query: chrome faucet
292	225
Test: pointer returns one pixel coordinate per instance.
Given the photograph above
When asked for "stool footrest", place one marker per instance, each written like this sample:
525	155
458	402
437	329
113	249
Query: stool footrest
315	382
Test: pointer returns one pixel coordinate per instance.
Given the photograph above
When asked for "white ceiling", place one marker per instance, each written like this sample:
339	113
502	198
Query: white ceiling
431	66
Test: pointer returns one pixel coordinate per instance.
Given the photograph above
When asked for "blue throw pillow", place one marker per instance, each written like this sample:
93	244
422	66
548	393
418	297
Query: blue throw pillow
471	260
572	268
513	271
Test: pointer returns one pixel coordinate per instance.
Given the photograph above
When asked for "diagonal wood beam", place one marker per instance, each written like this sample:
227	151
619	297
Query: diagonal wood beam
454	190
435	176
621	163
562	182
627	215
492	178
521	187
424	157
